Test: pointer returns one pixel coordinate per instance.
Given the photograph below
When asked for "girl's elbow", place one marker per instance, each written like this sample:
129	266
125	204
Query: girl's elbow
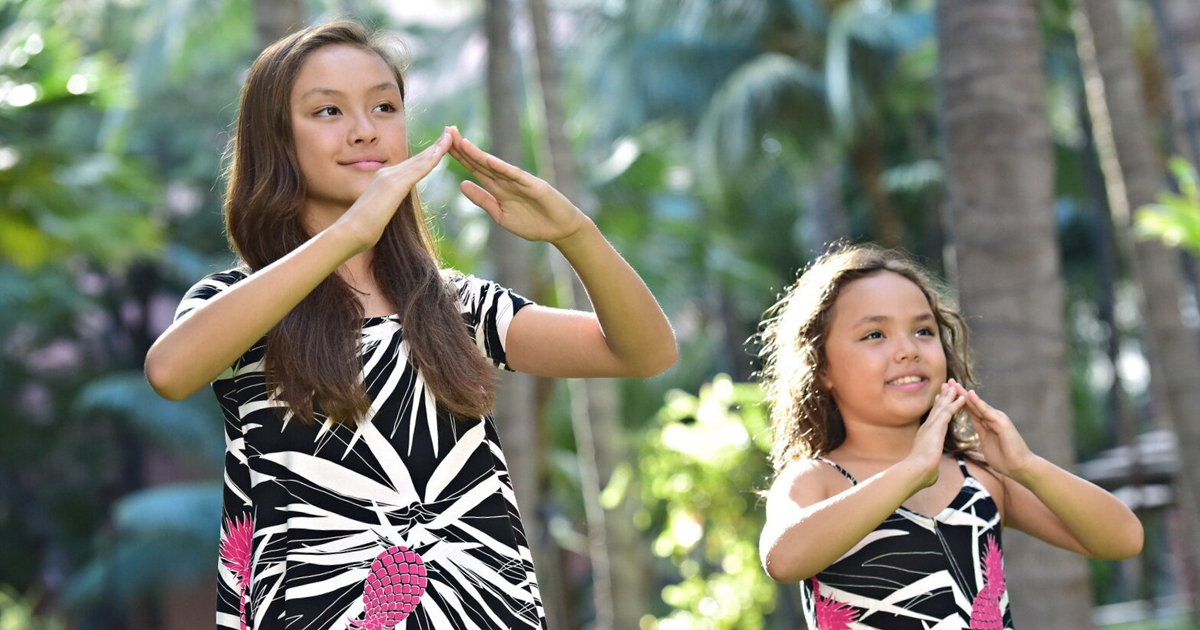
1128	546
772	570
783	568
649	364
662	361
1134	541
162	381
779	571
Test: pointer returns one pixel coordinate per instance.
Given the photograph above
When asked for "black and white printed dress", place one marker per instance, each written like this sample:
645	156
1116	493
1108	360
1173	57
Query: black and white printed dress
918	572
407	521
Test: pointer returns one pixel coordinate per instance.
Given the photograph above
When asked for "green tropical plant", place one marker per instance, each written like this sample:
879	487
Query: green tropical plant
19	612
700	465
1175	219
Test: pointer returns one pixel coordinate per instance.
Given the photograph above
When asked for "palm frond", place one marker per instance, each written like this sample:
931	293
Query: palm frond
759	91
884	30
164	536
187	509
191	428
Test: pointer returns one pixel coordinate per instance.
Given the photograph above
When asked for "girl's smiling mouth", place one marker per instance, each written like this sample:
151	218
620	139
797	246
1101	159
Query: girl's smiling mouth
908	382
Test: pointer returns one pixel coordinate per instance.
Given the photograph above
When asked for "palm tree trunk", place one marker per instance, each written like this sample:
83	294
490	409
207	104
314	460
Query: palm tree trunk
1133	177
1179	26
613	541
516	413
825	216
1000	178
275	18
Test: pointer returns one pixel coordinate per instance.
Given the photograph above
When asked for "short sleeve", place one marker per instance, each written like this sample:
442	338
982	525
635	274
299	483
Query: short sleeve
488	309
206	288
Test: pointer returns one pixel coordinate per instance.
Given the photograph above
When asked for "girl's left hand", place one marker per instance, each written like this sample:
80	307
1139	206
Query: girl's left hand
1003	447
517	201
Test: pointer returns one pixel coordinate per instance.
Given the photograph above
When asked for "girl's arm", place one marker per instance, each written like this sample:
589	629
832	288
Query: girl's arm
807	530
628	335
1048	502
198	347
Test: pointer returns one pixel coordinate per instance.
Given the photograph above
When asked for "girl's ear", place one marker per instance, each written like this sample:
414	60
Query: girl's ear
824	382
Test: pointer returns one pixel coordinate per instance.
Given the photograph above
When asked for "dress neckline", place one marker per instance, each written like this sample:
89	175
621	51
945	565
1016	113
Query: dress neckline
953	506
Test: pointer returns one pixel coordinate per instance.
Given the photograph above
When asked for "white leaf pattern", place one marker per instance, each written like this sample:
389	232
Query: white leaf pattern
327	498
914	572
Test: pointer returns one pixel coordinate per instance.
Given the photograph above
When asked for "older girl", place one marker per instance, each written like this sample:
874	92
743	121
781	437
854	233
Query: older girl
364	481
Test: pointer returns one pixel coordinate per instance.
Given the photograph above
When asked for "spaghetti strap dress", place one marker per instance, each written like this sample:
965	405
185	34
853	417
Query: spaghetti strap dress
406	521
917	572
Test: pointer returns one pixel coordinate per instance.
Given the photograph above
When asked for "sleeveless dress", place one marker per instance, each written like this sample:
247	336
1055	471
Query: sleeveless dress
407	521
916	572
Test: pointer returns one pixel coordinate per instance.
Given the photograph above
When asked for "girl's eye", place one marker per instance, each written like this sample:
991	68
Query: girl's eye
328	110
387	107
874	334
926	331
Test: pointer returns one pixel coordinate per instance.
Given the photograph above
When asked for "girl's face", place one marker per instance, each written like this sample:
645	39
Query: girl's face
884	360
347	123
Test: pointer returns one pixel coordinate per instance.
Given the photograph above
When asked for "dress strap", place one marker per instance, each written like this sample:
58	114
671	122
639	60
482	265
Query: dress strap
962	464
853	481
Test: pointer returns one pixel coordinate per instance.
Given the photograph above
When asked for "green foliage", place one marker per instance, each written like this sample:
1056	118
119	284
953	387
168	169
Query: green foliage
186	427
1175	219
86	144
19	612
163	536
701	465
59	195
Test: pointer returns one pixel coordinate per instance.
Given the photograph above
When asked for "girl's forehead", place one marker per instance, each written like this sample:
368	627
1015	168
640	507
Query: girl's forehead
343	68
880	295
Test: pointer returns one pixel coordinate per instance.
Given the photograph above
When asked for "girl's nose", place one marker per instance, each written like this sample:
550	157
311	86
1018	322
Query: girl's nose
907	349
364	131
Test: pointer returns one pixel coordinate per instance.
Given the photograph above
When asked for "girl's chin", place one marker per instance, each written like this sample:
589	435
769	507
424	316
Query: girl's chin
331	199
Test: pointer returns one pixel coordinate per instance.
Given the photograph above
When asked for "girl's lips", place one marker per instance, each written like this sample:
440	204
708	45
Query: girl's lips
365	165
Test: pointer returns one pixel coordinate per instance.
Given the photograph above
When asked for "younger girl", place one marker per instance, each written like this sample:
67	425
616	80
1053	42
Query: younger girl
365	486
891	519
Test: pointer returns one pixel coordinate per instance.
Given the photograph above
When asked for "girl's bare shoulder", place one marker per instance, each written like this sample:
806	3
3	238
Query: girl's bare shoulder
806	481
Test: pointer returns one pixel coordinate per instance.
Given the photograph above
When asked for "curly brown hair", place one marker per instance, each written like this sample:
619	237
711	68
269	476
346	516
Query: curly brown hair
805	420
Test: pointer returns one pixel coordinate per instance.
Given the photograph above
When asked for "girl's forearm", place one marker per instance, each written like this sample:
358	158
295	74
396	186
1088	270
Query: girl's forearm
635	328
1103	526
799	545
196	349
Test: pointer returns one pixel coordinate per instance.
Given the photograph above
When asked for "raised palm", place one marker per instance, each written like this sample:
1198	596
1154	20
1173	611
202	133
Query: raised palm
517	201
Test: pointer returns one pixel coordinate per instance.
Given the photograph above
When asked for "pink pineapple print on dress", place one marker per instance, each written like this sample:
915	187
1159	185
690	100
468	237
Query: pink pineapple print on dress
985	611
236	544
392	590
831	614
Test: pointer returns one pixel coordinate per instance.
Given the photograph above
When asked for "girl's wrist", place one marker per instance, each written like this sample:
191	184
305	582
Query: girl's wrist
916	474
1030	472
345	237
578	238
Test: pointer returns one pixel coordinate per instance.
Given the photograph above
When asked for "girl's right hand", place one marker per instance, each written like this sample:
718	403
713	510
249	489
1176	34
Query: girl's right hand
926	453
370	214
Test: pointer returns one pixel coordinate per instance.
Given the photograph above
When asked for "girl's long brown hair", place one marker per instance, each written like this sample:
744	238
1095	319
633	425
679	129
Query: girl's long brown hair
805	420
312	359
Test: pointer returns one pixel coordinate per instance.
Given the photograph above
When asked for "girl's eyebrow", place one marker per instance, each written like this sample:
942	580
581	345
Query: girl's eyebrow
877	319
324	91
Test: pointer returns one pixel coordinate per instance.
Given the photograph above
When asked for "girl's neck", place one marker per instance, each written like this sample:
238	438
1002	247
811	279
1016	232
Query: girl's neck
318	215
878	443
356	271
